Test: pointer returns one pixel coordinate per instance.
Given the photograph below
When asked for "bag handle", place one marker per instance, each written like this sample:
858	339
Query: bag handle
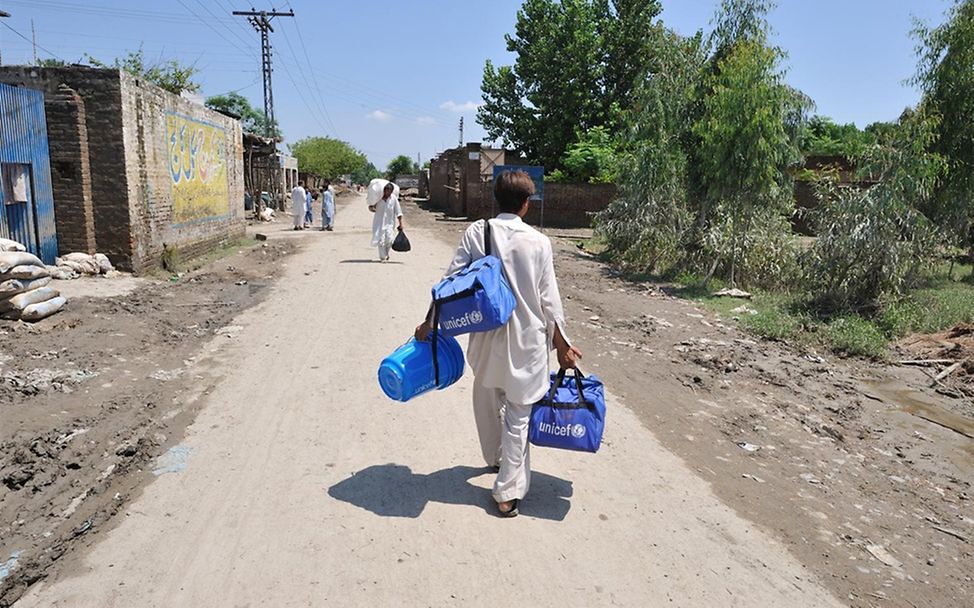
435	338
486	237
579	376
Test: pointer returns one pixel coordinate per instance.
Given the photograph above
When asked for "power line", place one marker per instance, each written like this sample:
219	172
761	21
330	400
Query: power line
29	41
209	25
227	27
98	10
301	93
318	99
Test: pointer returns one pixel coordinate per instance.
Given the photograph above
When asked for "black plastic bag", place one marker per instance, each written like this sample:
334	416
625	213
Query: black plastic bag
401	243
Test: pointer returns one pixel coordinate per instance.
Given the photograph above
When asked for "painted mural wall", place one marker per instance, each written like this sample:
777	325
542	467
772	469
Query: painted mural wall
184	166
198	168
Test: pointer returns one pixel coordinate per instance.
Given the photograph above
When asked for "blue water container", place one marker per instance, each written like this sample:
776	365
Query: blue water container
408	371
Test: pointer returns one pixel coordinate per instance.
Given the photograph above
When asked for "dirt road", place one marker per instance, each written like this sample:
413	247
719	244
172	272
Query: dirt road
300	484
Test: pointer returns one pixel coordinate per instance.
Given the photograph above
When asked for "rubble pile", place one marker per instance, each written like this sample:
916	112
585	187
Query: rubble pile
24	290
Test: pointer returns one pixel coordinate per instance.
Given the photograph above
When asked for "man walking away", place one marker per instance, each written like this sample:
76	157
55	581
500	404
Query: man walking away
327	207
299	199
510	363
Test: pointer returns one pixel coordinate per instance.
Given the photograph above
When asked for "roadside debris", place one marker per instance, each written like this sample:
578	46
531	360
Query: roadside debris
733	292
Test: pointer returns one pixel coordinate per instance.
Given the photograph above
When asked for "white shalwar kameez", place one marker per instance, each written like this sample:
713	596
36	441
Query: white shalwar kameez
299	202
510	363
387	211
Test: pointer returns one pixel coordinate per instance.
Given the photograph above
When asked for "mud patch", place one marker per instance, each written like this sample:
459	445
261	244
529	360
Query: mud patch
92	397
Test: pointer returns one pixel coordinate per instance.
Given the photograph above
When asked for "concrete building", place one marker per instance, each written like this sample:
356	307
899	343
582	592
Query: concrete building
135	168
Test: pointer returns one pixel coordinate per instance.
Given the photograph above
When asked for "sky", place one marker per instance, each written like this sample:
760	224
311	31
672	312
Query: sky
395	76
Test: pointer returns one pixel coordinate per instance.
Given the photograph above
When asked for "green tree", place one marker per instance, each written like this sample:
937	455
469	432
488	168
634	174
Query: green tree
946	76
648	228
401	165
166	74
365	173
327	157
748	133
593	159
577	63
874	242
824	137
51	63
251	118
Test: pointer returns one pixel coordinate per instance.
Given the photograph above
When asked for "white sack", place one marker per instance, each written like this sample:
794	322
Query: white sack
36	312
61	273
25	272
8	245
9	259
76	257
374	192
104	264
34	296
15	286
89	266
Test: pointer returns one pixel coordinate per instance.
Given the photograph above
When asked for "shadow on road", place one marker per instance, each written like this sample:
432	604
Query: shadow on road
368	262
393	490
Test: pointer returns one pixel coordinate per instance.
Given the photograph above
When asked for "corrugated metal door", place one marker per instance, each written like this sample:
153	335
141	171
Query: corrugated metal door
27	210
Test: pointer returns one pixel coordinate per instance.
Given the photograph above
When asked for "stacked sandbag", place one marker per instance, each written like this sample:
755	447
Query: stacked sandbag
24	291
8	245
73	265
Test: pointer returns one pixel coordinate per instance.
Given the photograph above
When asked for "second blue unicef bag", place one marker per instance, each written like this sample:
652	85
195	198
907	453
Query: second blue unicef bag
571	416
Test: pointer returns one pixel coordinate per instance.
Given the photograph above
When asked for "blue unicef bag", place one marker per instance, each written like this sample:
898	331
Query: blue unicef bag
478	298
572	414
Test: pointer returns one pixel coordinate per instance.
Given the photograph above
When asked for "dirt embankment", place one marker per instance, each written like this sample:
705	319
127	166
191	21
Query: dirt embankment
92	396
863	471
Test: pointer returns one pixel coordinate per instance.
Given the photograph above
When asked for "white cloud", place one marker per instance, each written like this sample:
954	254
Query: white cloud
426	121
459	108
379	115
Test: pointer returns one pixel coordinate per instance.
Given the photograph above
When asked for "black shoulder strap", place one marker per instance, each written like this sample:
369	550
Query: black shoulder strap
487	237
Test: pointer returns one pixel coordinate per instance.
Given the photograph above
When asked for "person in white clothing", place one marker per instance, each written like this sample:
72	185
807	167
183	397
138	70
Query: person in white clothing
299	201
510	363
387	212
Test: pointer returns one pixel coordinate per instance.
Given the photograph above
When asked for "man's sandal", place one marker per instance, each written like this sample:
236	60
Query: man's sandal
512	512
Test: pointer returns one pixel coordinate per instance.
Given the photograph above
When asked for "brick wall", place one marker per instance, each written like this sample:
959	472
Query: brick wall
152	192
131	190
101	91
565	205
70	171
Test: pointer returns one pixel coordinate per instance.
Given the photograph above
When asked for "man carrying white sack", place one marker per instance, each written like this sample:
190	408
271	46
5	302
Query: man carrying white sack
387	213
299	202
510	363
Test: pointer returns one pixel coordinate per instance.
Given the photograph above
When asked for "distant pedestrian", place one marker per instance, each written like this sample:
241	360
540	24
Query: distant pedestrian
299	199
308	209
327	207
387	212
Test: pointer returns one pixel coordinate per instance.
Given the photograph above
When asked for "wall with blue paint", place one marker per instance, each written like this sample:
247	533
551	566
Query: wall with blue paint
23	141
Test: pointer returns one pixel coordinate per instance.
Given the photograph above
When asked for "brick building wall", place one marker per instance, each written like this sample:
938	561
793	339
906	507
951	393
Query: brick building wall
137	208
565	205
70	171
160	215
101	91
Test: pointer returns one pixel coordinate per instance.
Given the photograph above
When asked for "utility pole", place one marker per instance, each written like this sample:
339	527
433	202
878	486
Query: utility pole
3	14
461	131
33	37
261	21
